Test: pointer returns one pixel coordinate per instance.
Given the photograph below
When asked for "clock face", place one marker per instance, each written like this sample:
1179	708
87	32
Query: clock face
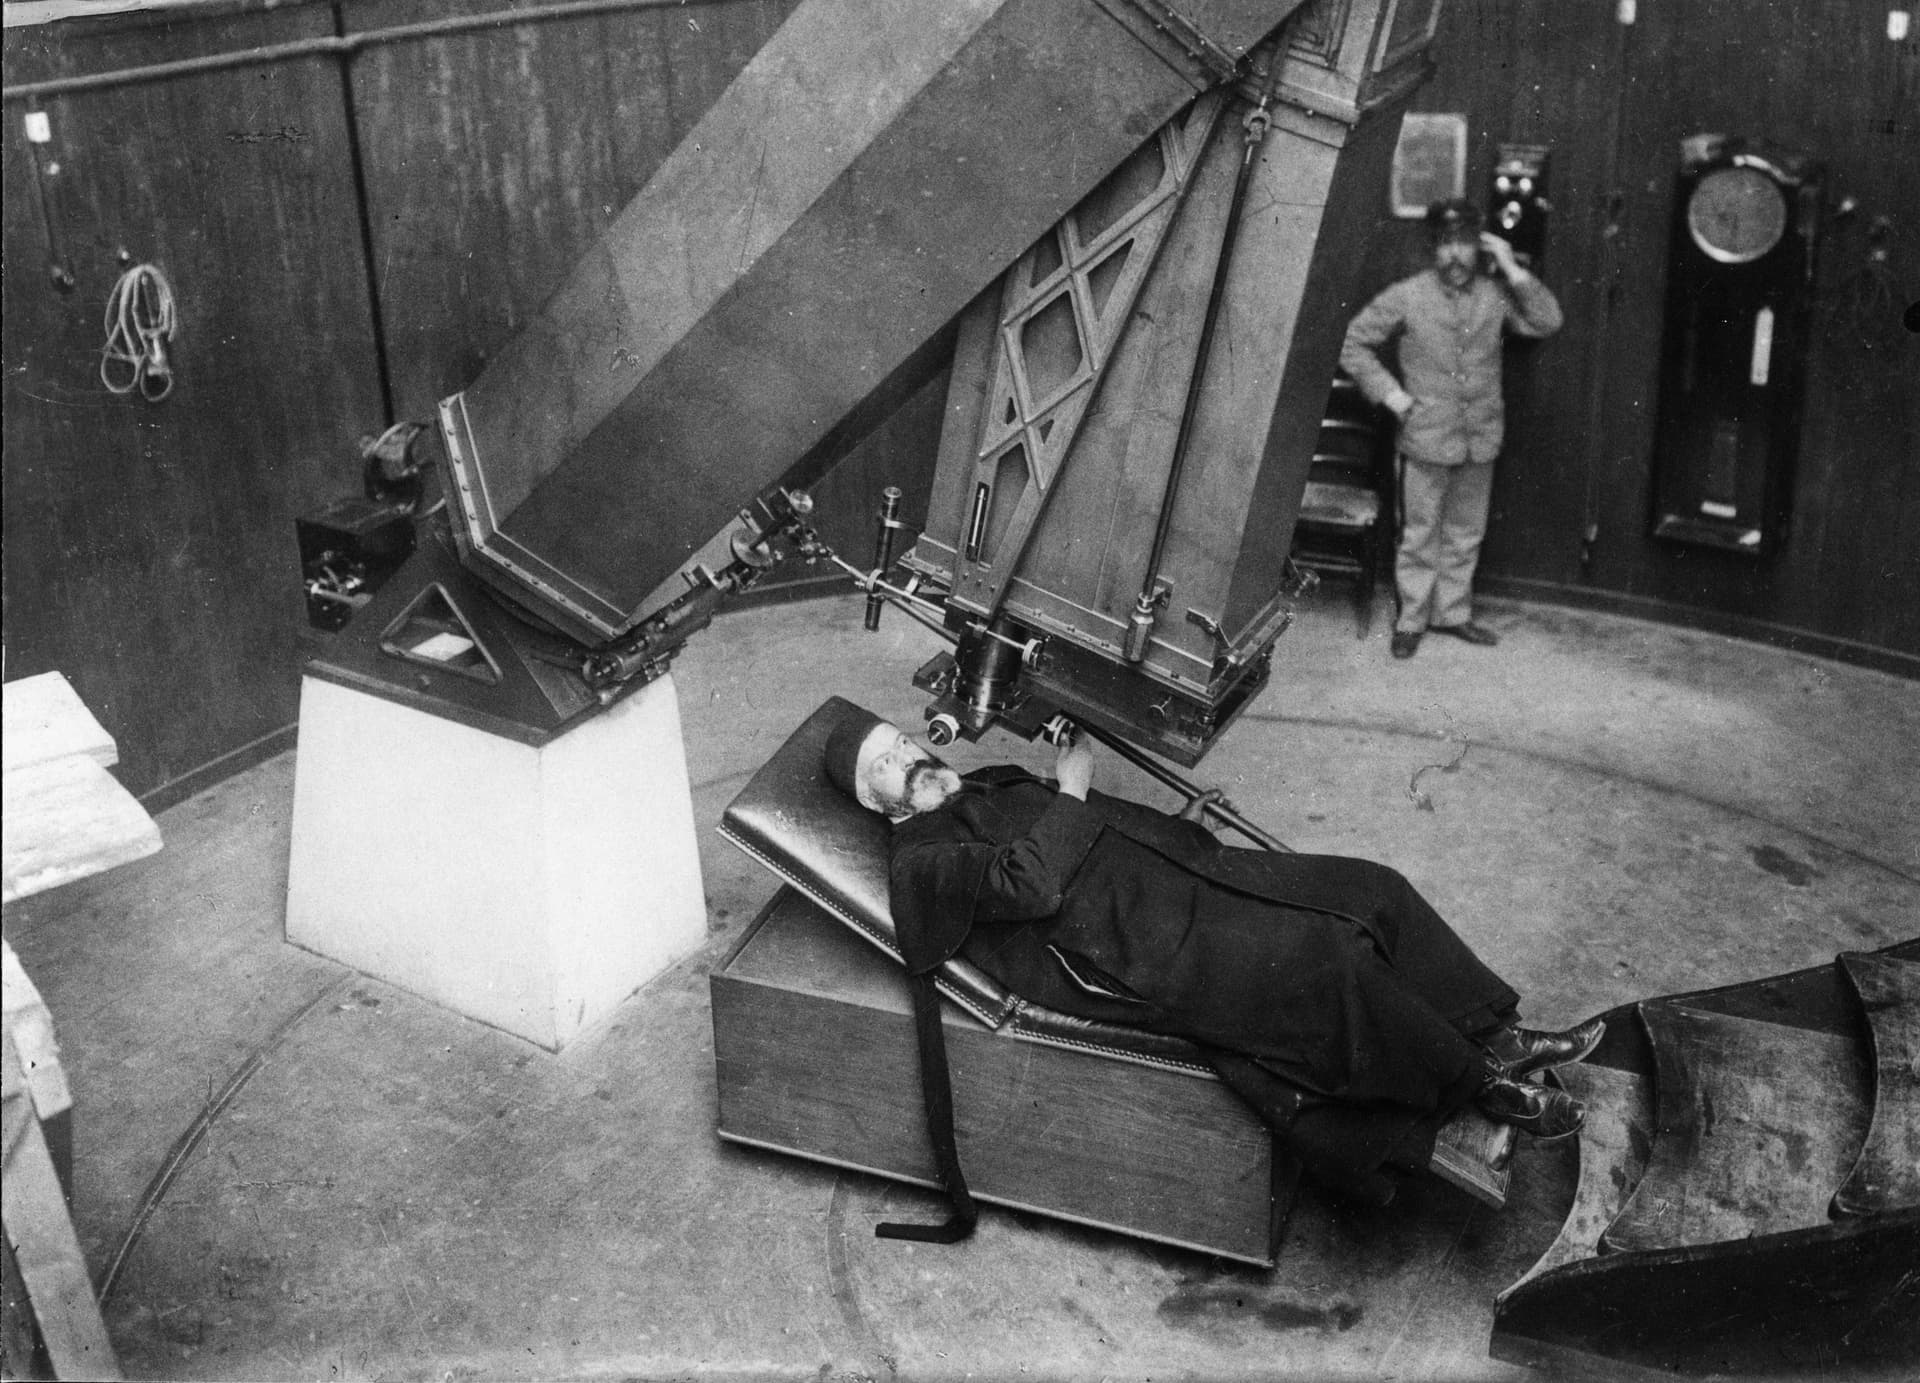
1736	215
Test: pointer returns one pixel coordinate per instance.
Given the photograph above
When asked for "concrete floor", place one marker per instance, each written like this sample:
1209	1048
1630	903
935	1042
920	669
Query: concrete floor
1606	809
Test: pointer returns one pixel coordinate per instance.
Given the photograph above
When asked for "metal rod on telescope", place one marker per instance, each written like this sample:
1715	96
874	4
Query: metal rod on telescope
870	582
1146	605
912	604
1180	785
912	609
883	551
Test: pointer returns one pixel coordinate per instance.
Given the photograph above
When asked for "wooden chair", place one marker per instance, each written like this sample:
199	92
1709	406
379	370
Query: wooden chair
1347	516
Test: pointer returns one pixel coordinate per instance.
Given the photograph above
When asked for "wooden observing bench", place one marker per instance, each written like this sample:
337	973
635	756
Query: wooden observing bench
1090	1122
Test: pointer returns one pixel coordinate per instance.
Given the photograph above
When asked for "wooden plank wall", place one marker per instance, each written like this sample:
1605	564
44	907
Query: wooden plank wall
1614	101
149	548
493	161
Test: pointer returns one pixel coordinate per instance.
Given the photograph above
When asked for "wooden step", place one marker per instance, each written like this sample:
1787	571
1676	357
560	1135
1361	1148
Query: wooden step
1757	1124
1887	1174
1614	1145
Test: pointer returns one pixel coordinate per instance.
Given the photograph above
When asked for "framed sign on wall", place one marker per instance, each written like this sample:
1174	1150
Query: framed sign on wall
1429	162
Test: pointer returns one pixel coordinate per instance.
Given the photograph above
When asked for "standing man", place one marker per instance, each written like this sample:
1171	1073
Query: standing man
1448	320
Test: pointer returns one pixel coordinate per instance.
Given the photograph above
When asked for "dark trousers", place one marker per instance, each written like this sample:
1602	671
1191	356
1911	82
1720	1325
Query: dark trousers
1348	1025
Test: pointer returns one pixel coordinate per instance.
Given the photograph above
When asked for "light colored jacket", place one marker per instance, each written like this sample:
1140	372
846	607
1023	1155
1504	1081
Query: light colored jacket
1449	359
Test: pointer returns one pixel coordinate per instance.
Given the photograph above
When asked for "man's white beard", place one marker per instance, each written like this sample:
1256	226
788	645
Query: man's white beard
930	789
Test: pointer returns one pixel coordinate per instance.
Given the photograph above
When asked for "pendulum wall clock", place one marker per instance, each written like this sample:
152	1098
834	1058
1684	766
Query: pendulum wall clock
1739	285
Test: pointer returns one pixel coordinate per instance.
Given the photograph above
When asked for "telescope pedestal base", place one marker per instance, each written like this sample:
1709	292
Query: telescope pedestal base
532	888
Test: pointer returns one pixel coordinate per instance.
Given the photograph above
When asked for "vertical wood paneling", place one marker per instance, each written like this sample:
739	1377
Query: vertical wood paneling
1862	396
1566	68
149	548
494	160
1815	79
149	551
1614	103
1628	339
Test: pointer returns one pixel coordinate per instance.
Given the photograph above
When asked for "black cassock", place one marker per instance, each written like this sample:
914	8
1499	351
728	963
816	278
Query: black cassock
1325	990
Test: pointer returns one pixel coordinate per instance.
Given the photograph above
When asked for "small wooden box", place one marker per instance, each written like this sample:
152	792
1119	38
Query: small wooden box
813	1040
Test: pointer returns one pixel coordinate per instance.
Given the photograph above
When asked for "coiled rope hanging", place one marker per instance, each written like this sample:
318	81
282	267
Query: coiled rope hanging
139	323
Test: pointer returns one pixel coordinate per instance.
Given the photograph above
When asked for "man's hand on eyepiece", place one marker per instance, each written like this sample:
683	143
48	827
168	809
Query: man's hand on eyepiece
1073	766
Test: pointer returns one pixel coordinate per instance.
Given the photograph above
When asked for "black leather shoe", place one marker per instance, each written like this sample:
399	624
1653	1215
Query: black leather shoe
1471	632
1523	1051
1540	1110
1405	645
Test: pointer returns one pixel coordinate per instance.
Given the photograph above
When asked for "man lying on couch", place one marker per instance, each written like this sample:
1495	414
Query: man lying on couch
1324	990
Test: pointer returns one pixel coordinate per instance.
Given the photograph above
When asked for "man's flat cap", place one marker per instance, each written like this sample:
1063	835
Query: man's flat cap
1453	219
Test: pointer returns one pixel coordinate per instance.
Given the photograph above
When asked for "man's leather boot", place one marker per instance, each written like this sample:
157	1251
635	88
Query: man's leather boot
1540	1110
1523	1051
